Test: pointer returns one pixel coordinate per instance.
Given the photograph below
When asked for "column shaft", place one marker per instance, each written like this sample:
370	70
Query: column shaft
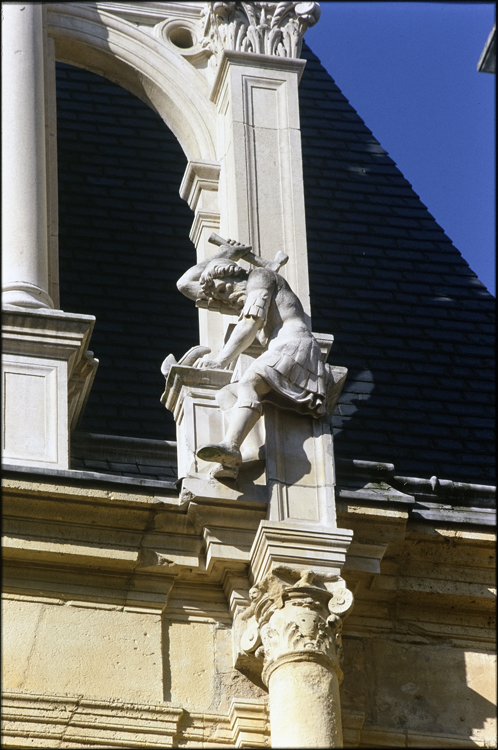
24	194
305	708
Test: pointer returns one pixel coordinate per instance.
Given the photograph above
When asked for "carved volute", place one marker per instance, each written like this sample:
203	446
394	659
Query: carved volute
295	620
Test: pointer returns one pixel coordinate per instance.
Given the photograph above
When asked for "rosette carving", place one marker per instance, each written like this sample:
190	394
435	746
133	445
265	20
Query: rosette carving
258	27
295	616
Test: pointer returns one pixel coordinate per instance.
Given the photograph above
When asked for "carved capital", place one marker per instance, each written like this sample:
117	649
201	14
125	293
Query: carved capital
295	616
263	28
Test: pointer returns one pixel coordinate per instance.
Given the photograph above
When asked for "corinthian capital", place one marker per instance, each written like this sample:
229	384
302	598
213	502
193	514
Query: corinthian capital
258	27
295	616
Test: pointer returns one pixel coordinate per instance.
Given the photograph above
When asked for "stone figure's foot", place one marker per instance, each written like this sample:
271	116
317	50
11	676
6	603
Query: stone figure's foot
219	471
227	458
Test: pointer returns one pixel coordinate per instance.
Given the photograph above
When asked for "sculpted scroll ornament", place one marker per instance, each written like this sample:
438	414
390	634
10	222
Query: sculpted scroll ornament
296	621
258	27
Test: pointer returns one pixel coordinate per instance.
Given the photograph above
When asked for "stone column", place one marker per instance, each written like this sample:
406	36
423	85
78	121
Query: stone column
294	626
24	194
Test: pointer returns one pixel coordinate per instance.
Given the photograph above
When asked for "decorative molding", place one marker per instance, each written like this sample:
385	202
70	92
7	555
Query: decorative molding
263	28
204	222
79	388
29	716
150	13
103	722
277	544
199	176
249	723
106	38
73	719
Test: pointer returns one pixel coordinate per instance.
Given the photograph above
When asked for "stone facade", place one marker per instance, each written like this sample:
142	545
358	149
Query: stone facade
325	597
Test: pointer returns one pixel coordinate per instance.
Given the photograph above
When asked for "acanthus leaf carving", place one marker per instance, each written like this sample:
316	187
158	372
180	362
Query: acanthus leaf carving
291	619
263	28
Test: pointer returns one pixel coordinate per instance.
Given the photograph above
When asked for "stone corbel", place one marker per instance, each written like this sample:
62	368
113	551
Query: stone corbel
79	388
289	639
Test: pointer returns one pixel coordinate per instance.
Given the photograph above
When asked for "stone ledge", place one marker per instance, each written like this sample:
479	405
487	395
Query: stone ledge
386	737
99	723
90	476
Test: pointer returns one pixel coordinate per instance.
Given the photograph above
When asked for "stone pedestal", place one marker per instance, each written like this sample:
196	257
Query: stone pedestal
47	376
190	394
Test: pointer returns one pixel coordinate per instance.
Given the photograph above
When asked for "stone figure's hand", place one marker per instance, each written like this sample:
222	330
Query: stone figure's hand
209	364
239	249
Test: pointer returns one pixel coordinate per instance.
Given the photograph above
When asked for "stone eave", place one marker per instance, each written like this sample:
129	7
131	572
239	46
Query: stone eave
360	482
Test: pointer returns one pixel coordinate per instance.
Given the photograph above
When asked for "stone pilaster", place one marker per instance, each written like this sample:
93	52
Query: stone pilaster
47	374
261	179
200	189
292	633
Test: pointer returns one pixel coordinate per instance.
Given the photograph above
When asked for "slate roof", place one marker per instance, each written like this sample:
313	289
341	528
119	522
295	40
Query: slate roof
123	243
411	320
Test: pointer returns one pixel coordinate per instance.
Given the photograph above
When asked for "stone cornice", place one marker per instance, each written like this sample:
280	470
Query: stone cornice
143	542
130	725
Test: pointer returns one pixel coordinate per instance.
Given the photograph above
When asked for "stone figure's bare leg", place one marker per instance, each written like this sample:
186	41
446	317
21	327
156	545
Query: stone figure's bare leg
247	410
244	416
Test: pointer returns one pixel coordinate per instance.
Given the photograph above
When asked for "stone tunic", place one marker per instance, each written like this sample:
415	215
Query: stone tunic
292	363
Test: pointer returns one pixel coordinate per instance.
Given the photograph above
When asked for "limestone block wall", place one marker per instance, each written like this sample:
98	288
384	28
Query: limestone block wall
114	629
55	647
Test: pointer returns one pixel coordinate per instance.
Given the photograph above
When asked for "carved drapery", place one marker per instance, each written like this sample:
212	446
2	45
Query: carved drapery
262	28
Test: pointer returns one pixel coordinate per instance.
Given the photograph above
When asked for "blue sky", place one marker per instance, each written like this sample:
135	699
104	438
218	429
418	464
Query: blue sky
410	71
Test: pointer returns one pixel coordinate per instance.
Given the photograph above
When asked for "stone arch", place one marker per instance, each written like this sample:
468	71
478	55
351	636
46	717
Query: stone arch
99	41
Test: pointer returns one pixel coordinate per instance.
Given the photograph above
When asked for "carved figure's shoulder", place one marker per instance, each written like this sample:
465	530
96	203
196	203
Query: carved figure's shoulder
261	278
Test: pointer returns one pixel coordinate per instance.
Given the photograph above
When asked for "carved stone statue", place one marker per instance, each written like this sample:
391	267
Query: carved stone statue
290	372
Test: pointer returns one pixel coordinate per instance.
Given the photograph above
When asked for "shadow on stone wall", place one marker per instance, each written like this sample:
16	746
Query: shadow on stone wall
421	688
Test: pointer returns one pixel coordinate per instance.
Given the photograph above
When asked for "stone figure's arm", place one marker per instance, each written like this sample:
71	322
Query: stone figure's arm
260	287
189	284
242	336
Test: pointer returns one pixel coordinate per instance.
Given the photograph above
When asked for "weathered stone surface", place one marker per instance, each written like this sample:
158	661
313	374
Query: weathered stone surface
111	653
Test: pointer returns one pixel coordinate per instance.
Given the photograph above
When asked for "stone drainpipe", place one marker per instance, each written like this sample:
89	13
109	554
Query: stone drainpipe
293	629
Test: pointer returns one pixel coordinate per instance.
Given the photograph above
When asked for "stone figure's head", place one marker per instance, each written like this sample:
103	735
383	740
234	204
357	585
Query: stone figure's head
225	280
